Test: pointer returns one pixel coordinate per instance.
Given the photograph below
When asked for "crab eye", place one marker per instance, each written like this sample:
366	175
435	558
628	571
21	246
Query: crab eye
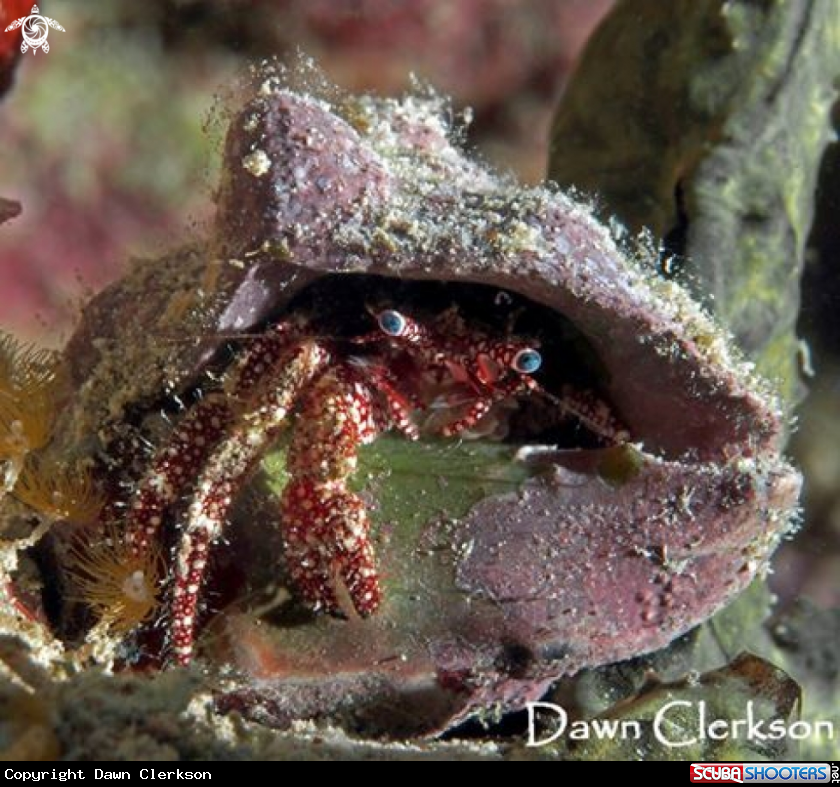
527	361
392	323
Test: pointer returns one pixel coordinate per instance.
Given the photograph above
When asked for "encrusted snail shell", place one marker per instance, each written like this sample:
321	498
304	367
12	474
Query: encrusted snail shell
601	555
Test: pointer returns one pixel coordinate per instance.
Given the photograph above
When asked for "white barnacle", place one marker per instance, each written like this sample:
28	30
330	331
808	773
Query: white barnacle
257	163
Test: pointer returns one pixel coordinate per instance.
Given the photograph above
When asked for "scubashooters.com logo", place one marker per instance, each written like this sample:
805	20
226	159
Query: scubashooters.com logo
35	28
764	772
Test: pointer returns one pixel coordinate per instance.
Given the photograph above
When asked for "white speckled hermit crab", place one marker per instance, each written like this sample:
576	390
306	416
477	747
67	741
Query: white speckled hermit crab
493	591
335	395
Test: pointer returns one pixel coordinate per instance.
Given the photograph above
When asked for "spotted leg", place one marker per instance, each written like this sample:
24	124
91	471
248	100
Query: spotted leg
477	410
592	413
173	470
392	406
482	403
329	553
178	462
224	473
326	530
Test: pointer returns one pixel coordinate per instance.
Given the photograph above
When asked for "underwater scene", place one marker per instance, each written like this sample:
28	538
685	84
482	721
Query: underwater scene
393	380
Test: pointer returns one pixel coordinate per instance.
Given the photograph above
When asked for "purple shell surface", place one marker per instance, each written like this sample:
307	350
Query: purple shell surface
581	565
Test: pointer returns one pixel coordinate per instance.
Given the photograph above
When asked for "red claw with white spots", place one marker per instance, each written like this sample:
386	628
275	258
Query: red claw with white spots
334	395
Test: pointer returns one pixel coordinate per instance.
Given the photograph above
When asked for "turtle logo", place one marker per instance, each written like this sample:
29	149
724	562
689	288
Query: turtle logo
35	30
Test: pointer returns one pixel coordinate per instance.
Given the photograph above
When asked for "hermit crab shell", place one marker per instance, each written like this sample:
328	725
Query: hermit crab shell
582	564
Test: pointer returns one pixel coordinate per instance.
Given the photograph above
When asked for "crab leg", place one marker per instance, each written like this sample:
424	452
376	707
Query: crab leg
482	404
325	526
174	469
224	473
328	549
478	409
592	412
583	406
392	408
179	461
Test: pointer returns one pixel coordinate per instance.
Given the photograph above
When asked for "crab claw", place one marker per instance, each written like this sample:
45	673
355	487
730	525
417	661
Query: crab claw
328	549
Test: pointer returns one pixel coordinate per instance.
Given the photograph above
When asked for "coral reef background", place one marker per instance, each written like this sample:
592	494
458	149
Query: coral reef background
109	142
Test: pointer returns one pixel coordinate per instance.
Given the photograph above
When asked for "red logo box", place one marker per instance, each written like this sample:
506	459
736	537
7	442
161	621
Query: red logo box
715	773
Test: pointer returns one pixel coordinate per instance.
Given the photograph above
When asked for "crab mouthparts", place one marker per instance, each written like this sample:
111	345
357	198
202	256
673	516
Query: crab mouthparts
488	370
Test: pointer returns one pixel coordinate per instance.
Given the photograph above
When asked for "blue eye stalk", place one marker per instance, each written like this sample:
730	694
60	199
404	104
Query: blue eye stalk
392	322
527	361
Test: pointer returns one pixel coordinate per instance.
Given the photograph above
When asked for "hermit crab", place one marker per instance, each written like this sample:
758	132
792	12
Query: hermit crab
340	398
489	441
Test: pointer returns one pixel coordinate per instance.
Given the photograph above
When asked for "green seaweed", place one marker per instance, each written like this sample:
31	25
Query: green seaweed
416	482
